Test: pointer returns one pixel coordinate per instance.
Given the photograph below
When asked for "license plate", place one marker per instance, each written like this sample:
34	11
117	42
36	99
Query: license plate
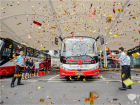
78	73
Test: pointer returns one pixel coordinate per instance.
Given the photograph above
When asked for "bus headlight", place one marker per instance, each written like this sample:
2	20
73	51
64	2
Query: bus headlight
96	67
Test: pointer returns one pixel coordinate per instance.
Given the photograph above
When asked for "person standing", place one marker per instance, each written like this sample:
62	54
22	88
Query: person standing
124	64
129	71
27	69
31	64
36	68
18	69
24	72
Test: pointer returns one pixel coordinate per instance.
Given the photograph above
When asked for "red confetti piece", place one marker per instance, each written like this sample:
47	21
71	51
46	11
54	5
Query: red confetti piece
98	77
137	74
11	5
37	23
16	49
139	31
38	41
128	5
90	15
114	11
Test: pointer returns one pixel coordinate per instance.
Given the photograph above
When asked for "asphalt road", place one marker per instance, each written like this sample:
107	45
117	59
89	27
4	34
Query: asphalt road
55	90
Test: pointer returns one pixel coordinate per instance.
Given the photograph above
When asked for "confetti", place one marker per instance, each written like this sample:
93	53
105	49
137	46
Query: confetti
120	10
114	11
91	98
19	47
115	99
37	23
42	100
10	46
84	79
19	23
3	8
128	82
90	15
123	75
137	74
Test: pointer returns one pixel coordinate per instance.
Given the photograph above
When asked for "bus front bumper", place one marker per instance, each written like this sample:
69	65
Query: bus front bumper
94	72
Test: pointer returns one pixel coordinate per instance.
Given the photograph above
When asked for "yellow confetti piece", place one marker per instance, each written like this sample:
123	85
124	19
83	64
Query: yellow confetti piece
74	46
74	87
19	23
128	82
98	49
42	100
107	82
92	82
30	97
53	27
138	81
39	87
123	75
105	28
120	10
2	86
47	96
84	79
3	8
116	35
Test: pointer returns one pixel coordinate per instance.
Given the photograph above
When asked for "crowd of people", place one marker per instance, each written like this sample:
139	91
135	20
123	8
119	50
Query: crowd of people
24	66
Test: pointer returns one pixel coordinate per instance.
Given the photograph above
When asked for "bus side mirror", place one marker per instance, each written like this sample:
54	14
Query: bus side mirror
101	39
56	40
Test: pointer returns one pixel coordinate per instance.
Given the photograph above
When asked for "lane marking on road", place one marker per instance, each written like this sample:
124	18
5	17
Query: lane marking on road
53	77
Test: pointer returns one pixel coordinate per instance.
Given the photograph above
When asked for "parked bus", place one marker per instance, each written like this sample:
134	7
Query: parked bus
9	49
79	56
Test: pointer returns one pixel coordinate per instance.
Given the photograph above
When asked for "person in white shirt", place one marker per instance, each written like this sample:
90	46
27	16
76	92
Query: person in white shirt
129	71
36	68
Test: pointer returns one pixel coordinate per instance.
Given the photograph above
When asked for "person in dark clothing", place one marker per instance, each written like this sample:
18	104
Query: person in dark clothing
31	64
129	71
18	69
124	63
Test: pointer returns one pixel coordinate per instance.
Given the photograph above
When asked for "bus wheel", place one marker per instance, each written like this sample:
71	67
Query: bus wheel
67	77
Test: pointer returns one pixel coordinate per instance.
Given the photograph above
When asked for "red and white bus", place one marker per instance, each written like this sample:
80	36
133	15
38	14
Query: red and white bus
8	48
79	56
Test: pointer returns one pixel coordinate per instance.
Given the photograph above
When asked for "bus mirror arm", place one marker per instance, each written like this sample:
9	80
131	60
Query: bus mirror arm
60	38
101	39
56	39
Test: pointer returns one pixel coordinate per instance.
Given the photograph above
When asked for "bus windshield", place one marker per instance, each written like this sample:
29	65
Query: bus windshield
75	46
